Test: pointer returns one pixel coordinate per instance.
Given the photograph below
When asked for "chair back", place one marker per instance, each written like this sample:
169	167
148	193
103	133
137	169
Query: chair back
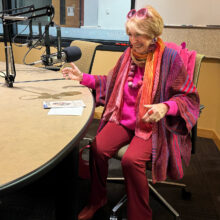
88	50
199	58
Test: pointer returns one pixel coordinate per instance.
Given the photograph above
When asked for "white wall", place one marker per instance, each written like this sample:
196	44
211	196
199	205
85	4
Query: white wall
187	12
91	13
106	14
112	13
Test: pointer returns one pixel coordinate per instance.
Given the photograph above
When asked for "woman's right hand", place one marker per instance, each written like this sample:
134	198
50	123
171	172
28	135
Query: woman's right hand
72	73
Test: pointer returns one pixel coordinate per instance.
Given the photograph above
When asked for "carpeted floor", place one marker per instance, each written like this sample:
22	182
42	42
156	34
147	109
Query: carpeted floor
38	200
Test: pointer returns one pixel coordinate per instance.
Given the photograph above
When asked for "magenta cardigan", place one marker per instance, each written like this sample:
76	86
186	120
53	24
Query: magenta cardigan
128	116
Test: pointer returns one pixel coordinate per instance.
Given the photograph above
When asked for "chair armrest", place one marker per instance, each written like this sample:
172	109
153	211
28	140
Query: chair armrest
201	108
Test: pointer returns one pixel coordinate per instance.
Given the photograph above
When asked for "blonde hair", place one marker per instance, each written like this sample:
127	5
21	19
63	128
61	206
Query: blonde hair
150	26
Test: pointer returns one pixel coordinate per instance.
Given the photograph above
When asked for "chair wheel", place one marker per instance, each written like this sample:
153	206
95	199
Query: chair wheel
113	217
186	195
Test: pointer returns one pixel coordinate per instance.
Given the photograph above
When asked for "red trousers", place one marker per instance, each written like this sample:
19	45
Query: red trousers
107	142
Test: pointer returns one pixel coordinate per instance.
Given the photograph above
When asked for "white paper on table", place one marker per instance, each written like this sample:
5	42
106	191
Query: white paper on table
66	111
64	104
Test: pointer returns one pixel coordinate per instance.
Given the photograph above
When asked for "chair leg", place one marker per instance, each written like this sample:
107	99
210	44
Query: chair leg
167	205
170	183
115	179
114	216
186	194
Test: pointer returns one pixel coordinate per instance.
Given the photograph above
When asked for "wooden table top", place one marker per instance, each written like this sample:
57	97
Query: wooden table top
30	139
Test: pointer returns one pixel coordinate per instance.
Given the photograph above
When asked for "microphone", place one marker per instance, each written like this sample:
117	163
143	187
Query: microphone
68	54
72	54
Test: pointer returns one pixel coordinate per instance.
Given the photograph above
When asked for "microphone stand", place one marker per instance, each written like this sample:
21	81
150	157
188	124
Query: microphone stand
9	57
47	61
7	19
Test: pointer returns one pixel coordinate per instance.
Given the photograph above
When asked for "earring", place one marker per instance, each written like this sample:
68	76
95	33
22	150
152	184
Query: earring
154	40
152	47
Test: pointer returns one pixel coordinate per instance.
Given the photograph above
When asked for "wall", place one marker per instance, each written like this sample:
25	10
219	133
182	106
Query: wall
187	12
209	90
112	14
90	13
187	21
106	14
204	41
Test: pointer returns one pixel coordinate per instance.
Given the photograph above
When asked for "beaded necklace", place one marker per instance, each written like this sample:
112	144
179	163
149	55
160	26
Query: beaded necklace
131	74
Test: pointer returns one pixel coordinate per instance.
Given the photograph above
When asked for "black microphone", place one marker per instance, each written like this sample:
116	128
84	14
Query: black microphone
72	54
68	54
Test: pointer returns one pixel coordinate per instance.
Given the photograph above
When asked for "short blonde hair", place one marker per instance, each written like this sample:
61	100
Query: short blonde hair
150	26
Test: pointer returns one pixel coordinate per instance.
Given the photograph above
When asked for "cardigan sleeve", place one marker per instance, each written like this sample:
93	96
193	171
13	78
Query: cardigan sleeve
88	81
100	89
98	84
182	91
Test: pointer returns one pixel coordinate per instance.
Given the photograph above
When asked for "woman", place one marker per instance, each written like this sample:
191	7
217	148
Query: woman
149	103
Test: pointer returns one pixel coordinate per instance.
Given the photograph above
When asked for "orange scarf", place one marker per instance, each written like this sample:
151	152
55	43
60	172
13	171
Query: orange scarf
153	61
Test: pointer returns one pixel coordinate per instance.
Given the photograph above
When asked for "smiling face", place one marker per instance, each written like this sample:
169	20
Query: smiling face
139	42
144	30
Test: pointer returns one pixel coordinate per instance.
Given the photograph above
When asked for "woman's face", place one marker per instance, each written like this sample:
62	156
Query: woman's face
140	43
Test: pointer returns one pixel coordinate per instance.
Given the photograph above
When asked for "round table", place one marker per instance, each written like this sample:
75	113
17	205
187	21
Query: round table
31	141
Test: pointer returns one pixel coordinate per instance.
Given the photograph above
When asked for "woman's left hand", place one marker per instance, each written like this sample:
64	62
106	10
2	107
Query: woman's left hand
155	112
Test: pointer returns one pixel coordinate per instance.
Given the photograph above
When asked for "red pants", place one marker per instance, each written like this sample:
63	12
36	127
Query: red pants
107	142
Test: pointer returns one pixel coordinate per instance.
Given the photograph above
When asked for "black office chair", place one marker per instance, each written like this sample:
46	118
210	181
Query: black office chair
185	194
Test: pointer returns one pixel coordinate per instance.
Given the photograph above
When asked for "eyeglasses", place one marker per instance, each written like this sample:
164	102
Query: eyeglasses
141	13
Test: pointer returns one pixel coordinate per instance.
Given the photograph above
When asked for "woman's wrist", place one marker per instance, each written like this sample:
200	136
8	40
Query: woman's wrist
80	77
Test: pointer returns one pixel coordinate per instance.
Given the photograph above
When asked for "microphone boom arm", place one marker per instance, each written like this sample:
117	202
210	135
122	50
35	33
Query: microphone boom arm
7	20
12	18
